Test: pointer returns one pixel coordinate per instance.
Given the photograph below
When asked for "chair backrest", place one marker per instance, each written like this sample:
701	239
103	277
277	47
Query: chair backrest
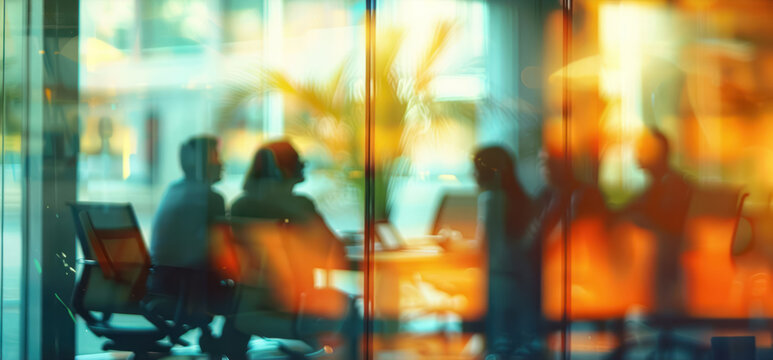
714	200
265	263
282	258
110	234
225	256
714	212
459	212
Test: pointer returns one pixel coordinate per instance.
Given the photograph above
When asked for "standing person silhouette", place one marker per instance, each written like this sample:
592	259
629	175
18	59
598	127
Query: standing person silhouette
179	247
564	201
662	208
513	259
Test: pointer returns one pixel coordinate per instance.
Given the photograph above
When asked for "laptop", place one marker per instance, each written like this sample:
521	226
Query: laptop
458	212
390	239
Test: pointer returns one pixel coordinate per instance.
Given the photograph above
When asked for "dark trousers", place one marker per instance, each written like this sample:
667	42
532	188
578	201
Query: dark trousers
513	312
179	293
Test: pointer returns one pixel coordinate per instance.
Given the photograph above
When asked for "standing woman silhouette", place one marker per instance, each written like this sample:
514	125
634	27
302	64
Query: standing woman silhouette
505	211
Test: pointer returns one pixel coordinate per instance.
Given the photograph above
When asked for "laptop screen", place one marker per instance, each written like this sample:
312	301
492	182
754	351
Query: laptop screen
457	212
387	234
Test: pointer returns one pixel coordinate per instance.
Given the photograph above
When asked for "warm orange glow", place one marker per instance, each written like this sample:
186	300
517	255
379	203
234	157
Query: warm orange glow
648	150
610	270
224	253
553	138
586	342
408	282
710	270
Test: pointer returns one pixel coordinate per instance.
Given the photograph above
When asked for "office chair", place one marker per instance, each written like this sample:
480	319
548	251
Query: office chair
115	268
277	297
226	261
706	203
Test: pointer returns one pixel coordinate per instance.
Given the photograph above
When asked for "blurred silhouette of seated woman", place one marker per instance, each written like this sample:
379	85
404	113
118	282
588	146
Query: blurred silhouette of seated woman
663	209
179	246
268	194
268	187
505	211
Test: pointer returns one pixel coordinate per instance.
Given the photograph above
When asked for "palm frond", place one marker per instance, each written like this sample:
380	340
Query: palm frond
440	40
336	86
278	81
330	112
464	112
310	94
248	87
387	48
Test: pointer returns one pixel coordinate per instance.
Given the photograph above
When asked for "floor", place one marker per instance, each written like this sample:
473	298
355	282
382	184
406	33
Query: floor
259	349
404	347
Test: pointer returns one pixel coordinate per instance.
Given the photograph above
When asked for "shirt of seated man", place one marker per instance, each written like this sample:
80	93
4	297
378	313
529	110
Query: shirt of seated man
181	224
179	246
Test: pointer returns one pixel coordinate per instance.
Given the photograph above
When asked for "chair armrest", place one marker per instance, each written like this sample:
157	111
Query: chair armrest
322	310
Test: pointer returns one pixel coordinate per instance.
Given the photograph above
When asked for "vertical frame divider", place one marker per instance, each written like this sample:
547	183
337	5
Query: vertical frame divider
566	113
50	147
369	239
3	115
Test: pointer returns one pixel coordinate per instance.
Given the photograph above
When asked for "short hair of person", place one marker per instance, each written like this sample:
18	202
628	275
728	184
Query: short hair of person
662	140
653	149
195	155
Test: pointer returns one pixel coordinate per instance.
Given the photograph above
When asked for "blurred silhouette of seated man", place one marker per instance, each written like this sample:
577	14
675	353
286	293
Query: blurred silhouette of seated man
179	246
663	209
268	194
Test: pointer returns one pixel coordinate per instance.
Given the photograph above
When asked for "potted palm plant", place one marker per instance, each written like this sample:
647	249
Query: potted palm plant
332	112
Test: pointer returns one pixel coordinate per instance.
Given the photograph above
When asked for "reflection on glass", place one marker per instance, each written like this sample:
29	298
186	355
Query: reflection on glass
592	181
154	74
12	98
666	106
431	105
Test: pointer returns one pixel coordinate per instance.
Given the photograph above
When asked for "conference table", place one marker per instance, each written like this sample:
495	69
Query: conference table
421	280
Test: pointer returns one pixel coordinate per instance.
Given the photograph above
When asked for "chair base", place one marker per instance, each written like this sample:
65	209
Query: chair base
140	350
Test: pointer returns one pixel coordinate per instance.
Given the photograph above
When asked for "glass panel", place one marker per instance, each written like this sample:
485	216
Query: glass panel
447	82
12	178
155	74
552	178
667	242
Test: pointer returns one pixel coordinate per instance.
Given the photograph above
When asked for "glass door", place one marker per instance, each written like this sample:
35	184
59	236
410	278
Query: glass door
155	74
11	179
531	178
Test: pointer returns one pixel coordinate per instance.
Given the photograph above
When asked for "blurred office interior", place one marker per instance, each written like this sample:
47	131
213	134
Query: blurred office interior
387	103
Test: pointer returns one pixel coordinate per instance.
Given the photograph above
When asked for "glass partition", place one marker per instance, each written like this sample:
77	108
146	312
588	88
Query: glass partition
662	107
12	177
433	110
154	74
512	179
